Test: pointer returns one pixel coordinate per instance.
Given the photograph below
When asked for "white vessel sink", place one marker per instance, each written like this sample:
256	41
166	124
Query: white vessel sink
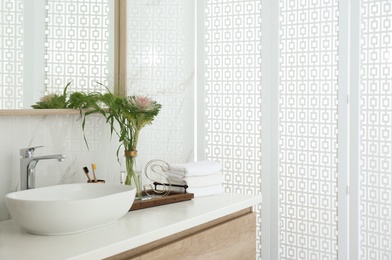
69	208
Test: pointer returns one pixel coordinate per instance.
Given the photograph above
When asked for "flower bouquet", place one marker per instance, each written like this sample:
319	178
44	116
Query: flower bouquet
127	116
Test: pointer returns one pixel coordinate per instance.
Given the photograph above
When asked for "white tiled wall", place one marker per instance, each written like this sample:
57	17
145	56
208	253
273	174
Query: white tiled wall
63	134
59	134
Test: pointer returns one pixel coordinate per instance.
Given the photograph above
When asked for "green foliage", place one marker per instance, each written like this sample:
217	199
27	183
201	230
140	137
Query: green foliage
140	113
80	100
125	115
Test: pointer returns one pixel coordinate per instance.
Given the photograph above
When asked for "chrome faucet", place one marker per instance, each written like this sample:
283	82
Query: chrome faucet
28	163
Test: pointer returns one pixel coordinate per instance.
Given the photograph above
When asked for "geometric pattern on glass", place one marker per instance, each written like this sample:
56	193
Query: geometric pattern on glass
376	130
233	94
77	45
160	64
11	54
308	129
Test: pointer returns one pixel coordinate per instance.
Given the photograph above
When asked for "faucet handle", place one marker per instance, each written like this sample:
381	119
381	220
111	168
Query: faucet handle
28	152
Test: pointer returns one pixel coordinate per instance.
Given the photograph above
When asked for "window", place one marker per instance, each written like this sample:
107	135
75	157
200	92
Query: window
328	85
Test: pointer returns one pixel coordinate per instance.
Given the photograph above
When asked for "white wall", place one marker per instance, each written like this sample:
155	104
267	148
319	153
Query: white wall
59	134
63	134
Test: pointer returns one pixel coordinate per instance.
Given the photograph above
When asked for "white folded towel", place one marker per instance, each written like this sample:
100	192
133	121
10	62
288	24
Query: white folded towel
175	179
203	181
206	191
197	181
195	168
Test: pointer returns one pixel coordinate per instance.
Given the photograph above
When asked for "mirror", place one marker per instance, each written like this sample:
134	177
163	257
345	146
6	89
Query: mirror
44	44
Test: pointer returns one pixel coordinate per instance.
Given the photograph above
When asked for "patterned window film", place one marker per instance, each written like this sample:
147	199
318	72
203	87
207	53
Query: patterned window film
11	54
308	129
233	94
376	130
78	45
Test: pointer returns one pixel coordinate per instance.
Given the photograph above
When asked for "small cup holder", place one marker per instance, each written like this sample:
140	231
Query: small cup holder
98	181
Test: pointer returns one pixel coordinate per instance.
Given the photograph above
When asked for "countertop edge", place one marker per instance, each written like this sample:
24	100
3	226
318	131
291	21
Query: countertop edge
123	246
187	215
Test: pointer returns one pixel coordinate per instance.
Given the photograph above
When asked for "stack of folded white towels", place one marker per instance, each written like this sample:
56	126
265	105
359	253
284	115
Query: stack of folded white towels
203	178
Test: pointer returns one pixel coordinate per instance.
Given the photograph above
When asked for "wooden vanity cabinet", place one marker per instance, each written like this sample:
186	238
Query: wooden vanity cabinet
229	237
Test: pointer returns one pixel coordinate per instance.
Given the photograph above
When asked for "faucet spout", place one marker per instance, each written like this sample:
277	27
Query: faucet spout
28	163
58	157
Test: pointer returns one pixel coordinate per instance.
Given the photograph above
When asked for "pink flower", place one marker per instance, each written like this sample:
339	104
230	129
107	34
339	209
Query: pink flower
143	103
47	98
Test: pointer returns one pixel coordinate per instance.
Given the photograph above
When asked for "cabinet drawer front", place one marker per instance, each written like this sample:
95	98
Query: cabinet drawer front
234	239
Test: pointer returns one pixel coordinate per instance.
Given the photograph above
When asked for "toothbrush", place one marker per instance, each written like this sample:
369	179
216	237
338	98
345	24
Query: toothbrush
85	169
94	166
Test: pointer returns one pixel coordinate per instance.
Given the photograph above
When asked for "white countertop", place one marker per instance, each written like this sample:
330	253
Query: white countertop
136	228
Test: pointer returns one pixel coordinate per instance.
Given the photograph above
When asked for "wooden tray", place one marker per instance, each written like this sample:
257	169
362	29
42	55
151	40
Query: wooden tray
173	197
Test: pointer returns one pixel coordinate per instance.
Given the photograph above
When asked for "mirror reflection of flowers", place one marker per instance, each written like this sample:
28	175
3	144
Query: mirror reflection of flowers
53	101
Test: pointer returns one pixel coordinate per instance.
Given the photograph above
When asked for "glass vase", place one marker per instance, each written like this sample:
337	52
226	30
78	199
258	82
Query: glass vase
134	172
